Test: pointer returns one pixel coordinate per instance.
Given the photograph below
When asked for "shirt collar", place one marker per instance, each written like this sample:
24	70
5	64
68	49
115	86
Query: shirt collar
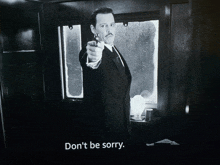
109	47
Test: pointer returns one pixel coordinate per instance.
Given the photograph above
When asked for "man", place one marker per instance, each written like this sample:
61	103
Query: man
106	80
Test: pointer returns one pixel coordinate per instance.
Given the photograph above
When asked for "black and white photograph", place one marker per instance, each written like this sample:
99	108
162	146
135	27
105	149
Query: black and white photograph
106	81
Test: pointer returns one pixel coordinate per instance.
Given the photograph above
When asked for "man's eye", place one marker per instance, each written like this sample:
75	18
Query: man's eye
102	26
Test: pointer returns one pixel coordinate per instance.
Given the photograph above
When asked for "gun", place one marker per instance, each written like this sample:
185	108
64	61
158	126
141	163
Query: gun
97	38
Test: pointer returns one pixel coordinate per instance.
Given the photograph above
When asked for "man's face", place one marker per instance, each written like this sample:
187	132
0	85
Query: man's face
105	27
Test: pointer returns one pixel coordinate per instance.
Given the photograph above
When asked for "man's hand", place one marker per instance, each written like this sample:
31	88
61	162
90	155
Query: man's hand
94	50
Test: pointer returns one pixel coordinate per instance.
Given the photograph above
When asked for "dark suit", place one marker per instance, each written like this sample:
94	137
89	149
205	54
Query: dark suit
107	96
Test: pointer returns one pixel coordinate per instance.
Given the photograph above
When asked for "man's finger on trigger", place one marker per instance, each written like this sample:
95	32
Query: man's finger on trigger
95	54
95	49
89	52
91	43
91	48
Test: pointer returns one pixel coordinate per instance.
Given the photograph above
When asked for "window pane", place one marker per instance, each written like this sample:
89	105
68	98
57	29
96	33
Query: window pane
72	69
138	43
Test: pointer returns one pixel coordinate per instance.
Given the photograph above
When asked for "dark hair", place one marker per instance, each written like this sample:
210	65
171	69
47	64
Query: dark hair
102	10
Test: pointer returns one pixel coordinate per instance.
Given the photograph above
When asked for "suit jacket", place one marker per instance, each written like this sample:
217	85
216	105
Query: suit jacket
107	95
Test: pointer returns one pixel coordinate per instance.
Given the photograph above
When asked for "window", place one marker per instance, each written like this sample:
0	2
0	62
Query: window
71	71
138	43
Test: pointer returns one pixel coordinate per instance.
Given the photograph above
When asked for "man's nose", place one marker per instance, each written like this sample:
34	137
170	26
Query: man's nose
108	29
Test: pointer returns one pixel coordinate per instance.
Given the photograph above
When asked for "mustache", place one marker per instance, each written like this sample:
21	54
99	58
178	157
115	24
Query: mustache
109	34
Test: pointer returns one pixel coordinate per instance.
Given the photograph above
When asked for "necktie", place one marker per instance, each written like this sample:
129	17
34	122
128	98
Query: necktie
118	61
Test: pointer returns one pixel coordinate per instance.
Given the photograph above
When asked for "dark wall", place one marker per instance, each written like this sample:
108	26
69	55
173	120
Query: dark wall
205	48
194	57
191	68
180	54
20	71
21	58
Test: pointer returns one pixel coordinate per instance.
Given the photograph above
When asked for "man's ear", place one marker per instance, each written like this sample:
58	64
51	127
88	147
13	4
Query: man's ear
92	29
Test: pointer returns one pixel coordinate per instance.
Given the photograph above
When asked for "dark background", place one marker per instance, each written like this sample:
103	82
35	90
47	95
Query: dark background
37	119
